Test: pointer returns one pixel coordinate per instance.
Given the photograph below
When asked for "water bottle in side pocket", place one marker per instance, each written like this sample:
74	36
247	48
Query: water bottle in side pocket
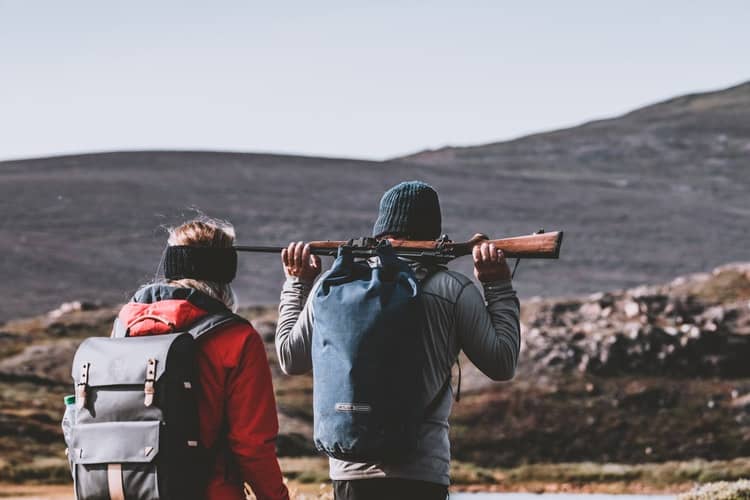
69	417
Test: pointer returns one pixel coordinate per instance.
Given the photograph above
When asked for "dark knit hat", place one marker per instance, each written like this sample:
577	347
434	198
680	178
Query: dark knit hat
410	209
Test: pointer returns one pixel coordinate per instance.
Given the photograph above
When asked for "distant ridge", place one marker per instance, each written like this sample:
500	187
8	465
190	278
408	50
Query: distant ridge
658	192
190	152
736	95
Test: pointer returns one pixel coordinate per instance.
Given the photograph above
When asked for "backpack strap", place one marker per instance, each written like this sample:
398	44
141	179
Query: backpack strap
213	322
432	270
432	406
119	330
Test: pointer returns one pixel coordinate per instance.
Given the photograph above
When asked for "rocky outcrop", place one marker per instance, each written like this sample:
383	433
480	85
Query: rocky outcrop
695	326
69	307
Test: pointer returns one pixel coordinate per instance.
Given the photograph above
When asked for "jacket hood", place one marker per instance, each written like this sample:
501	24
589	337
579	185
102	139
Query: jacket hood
158	309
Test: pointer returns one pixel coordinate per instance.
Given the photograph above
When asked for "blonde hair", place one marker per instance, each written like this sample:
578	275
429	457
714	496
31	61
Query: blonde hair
205	232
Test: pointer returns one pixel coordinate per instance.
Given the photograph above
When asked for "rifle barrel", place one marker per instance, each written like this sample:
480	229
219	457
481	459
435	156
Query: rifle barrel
265	249
332	251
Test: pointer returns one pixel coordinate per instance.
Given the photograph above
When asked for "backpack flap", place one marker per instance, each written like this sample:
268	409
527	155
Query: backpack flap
103	361
121	361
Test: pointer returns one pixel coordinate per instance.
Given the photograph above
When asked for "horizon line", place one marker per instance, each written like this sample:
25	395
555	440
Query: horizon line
402	157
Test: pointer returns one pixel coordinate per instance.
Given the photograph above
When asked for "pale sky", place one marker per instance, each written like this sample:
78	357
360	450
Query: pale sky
359	79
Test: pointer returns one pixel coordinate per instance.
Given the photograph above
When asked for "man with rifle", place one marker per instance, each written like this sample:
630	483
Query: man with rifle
451	316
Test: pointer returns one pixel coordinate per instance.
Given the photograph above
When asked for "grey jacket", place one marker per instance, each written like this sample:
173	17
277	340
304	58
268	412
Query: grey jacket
457	318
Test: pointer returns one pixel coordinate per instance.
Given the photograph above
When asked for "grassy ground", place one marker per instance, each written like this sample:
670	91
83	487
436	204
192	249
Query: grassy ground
667	477
309	475
568	433
571	419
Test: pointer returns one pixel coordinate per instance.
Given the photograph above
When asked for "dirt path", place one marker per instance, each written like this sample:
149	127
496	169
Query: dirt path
316	491
24	492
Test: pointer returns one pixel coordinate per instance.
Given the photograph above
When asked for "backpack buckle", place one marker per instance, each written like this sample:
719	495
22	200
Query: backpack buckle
374	262
83	382
148	386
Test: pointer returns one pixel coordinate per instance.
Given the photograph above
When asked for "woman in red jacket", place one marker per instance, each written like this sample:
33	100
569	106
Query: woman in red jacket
237	409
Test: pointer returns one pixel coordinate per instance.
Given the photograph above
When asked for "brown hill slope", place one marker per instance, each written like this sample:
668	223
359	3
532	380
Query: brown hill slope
647	196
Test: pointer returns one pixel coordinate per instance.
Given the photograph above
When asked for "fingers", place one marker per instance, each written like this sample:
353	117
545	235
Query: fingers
305	260
496	253
315	262
489	262
485	248
298	249
299	261
488	253
290	255
285	257
482	254
500	256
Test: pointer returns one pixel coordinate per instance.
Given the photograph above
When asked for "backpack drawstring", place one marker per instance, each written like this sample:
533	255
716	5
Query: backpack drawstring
515	266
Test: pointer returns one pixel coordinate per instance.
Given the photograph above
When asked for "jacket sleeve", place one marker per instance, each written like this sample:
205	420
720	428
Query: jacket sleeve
252	421
295	328
489	332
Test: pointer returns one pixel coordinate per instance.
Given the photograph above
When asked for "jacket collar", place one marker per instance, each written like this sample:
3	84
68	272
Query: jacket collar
159	308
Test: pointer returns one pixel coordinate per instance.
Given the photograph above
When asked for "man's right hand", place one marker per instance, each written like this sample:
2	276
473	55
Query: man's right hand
300	263
489	263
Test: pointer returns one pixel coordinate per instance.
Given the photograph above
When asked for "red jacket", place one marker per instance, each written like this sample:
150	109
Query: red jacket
237	407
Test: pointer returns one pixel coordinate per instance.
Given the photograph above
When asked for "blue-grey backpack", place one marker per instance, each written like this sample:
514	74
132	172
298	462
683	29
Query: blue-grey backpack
135	434
368	358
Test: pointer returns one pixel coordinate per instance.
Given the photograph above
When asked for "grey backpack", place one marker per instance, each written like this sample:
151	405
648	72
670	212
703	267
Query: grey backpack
135	434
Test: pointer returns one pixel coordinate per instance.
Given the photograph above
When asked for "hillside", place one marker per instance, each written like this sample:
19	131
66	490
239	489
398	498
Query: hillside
656	193
558	409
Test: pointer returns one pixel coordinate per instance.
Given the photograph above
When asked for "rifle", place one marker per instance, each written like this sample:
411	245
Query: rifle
540	245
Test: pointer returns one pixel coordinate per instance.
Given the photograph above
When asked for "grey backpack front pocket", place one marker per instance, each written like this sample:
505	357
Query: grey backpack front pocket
110	458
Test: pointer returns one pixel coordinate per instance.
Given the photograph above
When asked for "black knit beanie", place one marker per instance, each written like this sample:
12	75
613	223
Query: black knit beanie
411	210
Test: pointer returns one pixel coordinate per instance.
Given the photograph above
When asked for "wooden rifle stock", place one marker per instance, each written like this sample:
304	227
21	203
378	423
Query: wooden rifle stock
534	246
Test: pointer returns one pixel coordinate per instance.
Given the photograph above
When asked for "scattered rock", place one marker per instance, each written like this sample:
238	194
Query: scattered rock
695	326
70	307
632	309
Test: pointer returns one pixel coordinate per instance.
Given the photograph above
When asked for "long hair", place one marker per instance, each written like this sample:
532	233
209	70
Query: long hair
205	232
